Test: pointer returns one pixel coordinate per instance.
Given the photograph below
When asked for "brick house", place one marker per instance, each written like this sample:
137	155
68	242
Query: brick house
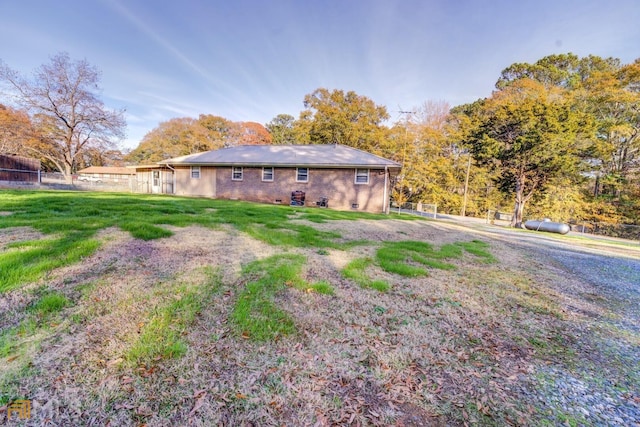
330	175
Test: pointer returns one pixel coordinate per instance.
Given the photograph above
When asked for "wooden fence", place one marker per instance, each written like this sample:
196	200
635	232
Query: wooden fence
19	169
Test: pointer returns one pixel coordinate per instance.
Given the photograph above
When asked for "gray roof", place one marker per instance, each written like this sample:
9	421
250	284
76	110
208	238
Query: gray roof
316	155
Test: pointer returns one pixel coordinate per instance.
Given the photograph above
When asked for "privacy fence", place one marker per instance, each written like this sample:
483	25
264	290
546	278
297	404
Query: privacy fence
19	169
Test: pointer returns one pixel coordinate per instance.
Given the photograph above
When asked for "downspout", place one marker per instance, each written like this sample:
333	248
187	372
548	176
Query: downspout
174	178
385	202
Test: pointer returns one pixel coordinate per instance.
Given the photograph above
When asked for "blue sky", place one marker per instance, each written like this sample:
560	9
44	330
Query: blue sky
249	60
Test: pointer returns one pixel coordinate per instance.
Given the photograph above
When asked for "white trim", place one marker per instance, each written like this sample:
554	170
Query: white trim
298	175
175	180
355	180
385	197
273	173
195	169
156	182
233	172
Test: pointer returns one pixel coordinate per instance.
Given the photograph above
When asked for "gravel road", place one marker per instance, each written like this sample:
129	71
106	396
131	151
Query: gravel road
605	388
602	387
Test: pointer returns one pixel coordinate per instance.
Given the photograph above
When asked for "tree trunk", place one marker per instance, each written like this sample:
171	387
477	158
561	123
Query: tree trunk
518	211
68	176
516	220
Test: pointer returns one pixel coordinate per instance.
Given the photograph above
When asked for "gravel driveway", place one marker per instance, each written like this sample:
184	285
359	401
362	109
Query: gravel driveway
601	386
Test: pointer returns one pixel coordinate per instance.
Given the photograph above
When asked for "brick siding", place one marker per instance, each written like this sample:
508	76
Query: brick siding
338	185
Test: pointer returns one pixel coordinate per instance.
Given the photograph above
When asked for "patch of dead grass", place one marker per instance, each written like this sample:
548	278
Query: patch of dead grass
17	234
446	349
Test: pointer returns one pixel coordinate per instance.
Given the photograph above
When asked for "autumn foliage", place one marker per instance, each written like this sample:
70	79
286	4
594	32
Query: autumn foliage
558	138
68	117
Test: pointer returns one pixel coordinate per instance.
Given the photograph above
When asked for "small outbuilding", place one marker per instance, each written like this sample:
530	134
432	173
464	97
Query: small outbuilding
330	175
107	174
154	179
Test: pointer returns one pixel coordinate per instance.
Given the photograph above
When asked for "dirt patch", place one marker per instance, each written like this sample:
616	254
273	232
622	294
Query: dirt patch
18	234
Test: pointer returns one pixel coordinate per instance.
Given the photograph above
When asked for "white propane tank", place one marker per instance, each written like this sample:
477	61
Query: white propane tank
547	225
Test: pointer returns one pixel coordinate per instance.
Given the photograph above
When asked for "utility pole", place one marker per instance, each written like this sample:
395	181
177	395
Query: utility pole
466	187
406	133
400	181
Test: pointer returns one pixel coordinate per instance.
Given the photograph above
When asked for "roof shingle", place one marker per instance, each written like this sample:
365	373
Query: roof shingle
316	155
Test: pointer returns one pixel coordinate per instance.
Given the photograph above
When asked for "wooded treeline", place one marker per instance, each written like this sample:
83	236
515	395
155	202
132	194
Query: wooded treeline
557	138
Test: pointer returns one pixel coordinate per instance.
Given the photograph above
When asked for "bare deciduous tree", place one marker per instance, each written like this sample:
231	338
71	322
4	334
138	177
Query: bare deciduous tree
69	117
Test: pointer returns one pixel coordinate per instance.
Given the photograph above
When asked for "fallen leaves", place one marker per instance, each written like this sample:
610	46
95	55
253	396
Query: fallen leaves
199	397
144	411
362	358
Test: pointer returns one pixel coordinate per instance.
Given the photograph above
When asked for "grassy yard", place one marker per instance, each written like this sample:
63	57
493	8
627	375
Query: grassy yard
152	310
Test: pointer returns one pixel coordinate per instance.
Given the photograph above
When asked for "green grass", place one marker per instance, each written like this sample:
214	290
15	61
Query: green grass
40	312
325	215
144	231
28	261
70	221
255	315
410	258
292	235
11	339
402	257
50	303
18	342
478	248
322	287
162	336
10	383
356	271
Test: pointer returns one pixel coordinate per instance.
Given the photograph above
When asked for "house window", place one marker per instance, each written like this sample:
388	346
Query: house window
236	173
267	174
156	178
302	175
195	172
362	176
